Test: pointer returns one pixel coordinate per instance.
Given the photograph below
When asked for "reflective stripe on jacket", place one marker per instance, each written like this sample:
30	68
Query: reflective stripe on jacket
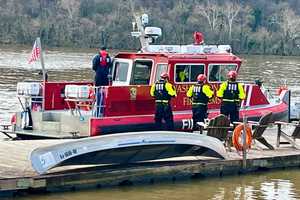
162	91
200	94
231	91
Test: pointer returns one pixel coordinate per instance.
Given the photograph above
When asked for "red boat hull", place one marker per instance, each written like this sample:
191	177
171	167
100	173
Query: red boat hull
182	120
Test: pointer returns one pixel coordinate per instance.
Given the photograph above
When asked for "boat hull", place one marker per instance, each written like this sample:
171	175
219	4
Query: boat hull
182	120
126	148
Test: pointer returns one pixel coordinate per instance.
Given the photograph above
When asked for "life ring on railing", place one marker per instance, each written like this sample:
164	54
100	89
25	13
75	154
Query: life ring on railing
237	137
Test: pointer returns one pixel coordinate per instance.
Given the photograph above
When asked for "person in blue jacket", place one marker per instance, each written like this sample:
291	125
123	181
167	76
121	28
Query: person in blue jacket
101	65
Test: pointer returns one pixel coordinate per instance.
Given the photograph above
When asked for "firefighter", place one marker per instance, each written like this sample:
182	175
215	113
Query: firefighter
163	91
101	65
200	93
231	93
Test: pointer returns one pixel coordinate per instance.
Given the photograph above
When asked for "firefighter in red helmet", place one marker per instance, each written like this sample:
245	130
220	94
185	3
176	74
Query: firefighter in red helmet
200	93
231	92
163	91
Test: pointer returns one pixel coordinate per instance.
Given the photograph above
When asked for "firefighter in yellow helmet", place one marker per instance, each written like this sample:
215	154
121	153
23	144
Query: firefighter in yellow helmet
163	91
200	94
231	93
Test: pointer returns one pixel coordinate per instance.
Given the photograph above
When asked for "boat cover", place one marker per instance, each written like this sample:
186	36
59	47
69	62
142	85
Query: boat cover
124	148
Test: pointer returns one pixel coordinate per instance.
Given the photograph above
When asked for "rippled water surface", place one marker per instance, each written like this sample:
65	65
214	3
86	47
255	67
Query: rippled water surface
70	65
282	185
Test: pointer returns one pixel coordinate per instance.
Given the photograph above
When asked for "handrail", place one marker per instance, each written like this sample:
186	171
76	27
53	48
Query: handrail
98	109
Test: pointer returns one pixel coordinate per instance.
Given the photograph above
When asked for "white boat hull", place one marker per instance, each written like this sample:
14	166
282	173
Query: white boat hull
126	148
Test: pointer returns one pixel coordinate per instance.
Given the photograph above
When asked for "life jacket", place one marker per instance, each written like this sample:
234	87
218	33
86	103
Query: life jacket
104	58
231	93
160	92
199	97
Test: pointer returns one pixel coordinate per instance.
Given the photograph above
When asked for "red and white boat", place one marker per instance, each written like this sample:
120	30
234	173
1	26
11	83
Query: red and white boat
67	109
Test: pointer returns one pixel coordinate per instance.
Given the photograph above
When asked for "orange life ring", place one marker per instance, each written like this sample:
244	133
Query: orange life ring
237	137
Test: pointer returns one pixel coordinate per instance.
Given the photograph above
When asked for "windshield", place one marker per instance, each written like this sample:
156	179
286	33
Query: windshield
188	72
121	71
218	72
141	72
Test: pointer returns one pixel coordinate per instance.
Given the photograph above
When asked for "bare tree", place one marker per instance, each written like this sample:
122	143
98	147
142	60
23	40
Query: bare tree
290	24
231	11
211	11
72	7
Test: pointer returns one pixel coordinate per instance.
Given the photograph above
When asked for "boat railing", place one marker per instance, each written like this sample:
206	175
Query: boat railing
189	49
90	102
99	104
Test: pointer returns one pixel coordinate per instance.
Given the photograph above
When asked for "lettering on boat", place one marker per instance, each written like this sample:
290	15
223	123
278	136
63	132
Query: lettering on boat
187	124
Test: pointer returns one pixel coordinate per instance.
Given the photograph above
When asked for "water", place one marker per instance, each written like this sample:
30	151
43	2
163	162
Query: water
71	65
282	184
60	65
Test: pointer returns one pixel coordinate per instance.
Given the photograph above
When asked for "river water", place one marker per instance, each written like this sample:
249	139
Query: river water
283	185
274	71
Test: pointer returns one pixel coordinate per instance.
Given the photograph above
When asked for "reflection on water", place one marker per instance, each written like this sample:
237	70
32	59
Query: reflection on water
273	71
267	185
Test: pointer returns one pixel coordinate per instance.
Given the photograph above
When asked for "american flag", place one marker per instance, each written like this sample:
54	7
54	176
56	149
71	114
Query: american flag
35	53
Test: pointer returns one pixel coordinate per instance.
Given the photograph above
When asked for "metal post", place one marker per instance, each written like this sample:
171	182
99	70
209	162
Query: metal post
289	106
244	142
137	18
38	40
42	58
278	135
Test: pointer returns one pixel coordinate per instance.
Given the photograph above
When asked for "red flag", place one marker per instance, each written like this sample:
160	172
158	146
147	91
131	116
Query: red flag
35	53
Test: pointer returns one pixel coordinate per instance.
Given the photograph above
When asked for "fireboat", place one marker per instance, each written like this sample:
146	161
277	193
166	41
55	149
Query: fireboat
60	109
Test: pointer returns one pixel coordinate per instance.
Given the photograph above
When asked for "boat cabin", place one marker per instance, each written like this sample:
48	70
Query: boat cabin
138	71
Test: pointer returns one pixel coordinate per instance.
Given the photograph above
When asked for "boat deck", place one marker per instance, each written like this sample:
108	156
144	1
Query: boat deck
16	173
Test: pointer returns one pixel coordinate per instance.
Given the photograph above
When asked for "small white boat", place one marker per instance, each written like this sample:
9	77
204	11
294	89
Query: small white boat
126	148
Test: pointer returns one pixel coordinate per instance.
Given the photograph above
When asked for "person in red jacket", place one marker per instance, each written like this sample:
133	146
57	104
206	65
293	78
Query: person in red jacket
101	65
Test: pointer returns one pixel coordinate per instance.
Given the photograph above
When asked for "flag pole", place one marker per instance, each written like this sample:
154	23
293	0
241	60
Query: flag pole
38	40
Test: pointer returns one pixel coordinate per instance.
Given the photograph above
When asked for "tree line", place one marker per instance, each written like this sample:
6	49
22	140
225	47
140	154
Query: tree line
250	26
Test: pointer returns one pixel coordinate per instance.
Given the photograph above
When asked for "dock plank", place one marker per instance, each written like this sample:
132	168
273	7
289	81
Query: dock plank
16	172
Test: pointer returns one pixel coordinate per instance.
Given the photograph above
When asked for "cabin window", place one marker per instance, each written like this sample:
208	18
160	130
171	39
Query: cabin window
218	72
188	72
160	69
141	72
120	71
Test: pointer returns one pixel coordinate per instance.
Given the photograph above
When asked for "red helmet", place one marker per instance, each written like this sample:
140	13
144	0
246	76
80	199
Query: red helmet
201	78
164	75
232	74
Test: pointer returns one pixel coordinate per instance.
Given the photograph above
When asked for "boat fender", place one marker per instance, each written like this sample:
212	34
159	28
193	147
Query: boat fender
26	119
237	137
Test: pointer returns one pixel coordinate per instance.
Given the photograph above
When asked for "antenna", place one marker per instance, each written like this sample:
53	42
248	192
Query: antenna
140	32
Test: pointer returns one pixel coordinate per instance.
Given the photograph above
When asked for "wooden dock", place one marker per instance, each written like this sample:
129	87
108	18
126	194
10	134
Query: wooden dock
17	175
